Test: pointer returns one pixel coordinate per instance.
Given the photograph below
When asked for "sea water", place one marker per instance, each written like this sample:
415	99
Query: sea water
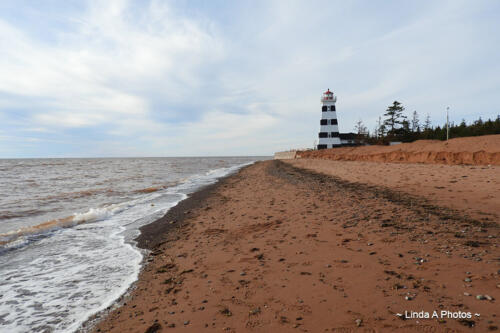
67	229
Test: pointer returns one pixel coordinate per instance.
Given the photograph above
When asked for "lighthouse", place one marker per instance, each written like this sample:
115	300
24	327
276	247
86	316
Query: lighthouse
329	136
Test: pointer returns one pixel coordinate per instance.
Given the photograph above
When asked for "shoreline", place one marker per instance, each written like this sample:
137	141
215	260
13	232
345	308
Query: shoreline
151	236
166	240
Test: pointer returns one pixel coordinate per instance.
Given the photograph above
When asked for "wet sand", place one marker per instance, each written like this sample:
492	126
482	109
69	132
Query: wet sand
275	248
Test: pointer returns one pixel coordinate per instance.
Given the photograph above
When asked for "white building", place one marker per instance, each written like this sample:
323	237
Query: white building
329	135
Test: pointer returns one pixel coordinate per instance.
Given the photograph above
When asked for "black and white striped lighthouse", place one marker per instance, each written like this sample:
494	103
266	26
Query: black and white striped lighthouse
329	136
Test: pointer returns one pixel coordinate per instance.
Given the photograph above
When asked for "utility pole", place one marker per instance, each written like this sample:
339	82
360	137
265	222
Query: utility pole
447	123
379	123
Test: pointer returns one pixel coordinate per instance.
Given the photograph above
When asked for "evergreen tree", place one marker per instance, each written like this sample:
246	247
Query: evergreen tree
396	126
427	124
404	131
395	117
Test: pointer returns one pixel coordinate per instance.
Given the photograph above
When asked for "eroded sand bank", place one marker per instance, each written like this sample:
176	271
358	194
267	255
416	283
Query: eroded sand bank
480	150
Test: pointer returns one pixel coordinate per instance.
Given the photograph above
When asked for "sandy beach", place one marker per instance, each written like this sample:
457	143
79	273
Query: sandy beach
276	248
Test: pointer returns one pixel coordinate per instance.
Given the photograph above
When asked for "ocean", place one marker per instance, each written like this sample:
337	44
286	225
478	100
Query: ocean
67	230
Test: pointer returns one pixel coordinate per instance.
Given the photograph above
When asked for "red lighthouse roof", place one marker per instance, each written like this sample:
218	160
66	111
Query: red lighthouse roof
328	92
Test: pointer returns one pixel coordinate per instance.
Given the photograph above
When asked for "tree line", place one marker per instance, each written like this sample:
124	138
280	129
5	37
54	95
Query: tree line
396	126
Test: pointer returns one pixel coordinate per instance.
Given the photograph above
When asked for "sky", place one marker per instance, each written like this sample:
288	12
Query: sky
216	78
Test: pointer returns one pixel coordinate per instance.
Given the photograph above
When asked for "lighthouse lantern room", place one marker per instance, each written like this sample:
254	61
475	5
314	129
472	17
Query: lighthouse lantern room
329	136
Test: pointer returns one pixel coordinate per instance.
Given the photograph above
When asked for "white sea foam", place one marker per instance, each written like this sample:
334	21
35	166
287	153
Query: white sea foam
74	267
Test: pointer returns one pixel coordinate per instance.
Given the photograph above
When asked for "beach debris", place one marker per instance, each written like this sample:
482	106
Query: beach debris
488	297
243	282
260	256
254	311
472	243
468	280
358	322
243	273
392	273
254	249
226	312
156	327
420	260
166	268
169	280
466	294
186	322
480	297
467	322
398	286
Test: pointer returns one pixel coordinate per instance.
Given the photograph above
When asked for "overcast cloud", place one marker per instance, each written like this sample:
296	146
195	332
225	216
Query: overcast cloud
185	78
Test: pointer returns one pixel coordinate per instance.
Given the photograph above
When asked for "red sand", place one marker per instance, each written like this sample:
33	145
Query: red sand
481	150
280	249
471	189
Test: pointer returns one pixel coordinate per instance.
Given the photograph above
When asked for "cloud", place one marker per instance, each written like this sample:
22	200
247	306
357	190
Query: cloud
98	72
164	78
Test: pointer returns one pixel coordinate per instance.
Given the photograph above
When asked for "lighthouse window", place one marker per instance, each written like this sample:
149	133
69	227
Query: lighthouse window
332	108
324	122
323	134
334	122
324	108
335	134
